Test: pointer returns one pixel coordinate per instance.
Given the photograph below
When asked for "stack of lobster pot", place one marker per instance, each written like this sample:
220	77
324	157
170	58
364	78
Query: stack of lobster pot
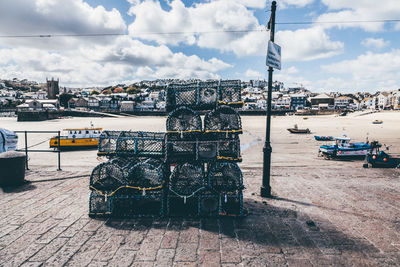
131	182
205	180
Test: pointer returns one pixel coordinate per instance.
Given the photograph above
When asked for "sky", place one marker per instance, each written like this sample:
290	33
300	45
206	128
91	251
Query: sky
208	39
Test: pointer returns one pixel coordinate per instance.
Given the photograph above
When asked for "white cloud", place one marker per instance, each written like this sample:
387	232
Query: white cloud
297	3
221	15
375	43
370	71
360	10
253	74
98	64
307	44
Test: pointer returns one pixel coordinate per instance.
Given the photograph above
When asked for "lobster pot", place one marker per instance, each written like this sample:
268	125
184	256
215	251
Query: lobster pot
178	150
231	204
187	181
141	144
219	149
225	178
107	176
230	93
179	95
183	122
108	143
208	95
128	205
222	122
209	205
99	205
145	178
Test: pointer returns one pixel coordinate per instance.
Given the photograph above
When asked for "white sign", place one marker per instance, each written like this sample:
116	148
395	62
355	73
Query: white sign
274	55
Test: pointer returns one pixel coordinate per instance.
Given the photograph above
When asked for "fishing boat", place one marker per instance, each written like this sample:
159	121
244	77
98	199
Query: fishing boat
343	148
77	138
324	138
377	122
380	159
296	130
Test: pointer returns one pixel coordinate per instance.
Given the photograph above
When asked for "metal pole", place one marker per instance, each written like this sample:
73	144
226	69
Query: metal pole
26	150
59	152
266	187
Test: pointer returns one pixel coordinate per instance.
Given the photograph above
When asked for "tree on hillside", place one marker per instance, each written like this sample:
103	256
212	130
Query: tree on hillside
118	90
106	92
94	92
132	90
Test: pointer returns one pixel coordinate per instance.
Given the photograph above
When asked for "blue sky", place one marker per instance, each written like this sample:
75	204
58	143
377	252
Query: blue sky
344	57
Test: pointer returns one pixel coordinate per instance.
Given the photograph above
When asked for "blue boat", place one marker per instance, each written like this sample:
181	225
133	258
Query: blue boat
343	148
324	138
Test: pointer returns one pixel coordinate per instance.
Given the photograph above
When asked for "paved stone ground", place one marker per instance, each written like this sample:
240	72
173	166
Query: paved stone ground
319	217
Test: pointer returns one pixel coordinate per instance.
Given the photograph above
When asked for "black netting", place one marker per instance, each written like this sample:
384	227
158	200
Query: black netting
225	178
230	92
145	175
107	176
208	94
223	119
181	95
187	179
181	150
141	144
227	149
209	204
108	142
99	205
183	120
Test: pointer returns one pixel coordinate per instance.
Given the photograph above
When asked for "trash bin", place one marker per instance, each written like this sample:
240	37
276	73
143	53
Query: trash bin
12	168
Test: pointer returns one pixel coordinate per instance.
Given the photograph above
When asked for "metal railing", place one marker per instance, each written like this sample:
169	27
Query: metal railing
26	149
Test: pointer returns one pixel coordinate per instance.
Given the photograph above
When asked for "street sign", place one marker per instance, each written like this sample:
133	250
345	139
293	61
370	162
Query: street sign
274	55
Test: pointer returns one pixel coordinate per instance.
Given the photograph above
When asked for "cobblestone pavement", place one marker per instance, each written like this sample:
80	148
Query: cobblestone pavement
319	217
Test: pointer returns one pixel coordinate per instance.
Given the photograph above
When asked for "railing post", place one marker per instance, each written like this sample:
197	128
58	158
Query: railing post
59	152
26	150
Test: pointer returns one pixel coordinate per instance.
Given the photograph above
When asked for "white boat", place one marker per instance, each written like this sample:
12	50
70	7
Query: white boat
343	148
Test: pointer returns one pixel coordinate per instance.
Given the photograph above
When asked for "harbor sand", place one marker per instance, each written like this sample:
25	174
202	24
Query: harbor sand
323	212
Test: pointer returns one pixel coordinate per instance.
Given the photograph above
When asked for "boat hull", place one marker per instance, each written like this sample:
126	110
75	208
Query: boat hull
75	143
298	131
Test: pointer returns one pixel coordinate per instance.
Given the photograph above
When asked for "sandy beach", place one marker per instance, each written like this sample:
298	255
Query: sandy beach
288	149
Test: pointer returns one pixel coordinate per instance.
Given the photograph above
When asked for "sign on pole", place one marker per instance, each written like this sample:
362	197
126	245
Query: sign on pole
274	55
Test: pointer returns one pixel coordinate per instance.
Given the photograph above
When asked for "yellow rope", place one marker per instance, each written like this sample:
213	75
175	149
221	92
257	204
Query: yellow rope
230	103
187	131
125	186
100	213
224	131
229	158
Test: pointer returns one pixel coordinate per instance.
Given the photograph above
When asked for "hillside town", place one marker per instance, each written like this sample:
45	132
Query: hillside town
24	95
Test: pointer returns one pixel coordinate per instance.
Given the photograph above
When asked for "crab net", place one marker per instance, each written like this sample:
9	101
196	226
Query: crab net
208	94
107	176
223	119
183	121
181	95
108	142
141	144
225	178
187	179
145	176
230	93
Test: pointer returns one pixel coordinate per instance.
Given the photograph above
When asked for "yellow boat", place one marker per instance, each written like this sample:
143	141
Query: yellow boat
77	138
